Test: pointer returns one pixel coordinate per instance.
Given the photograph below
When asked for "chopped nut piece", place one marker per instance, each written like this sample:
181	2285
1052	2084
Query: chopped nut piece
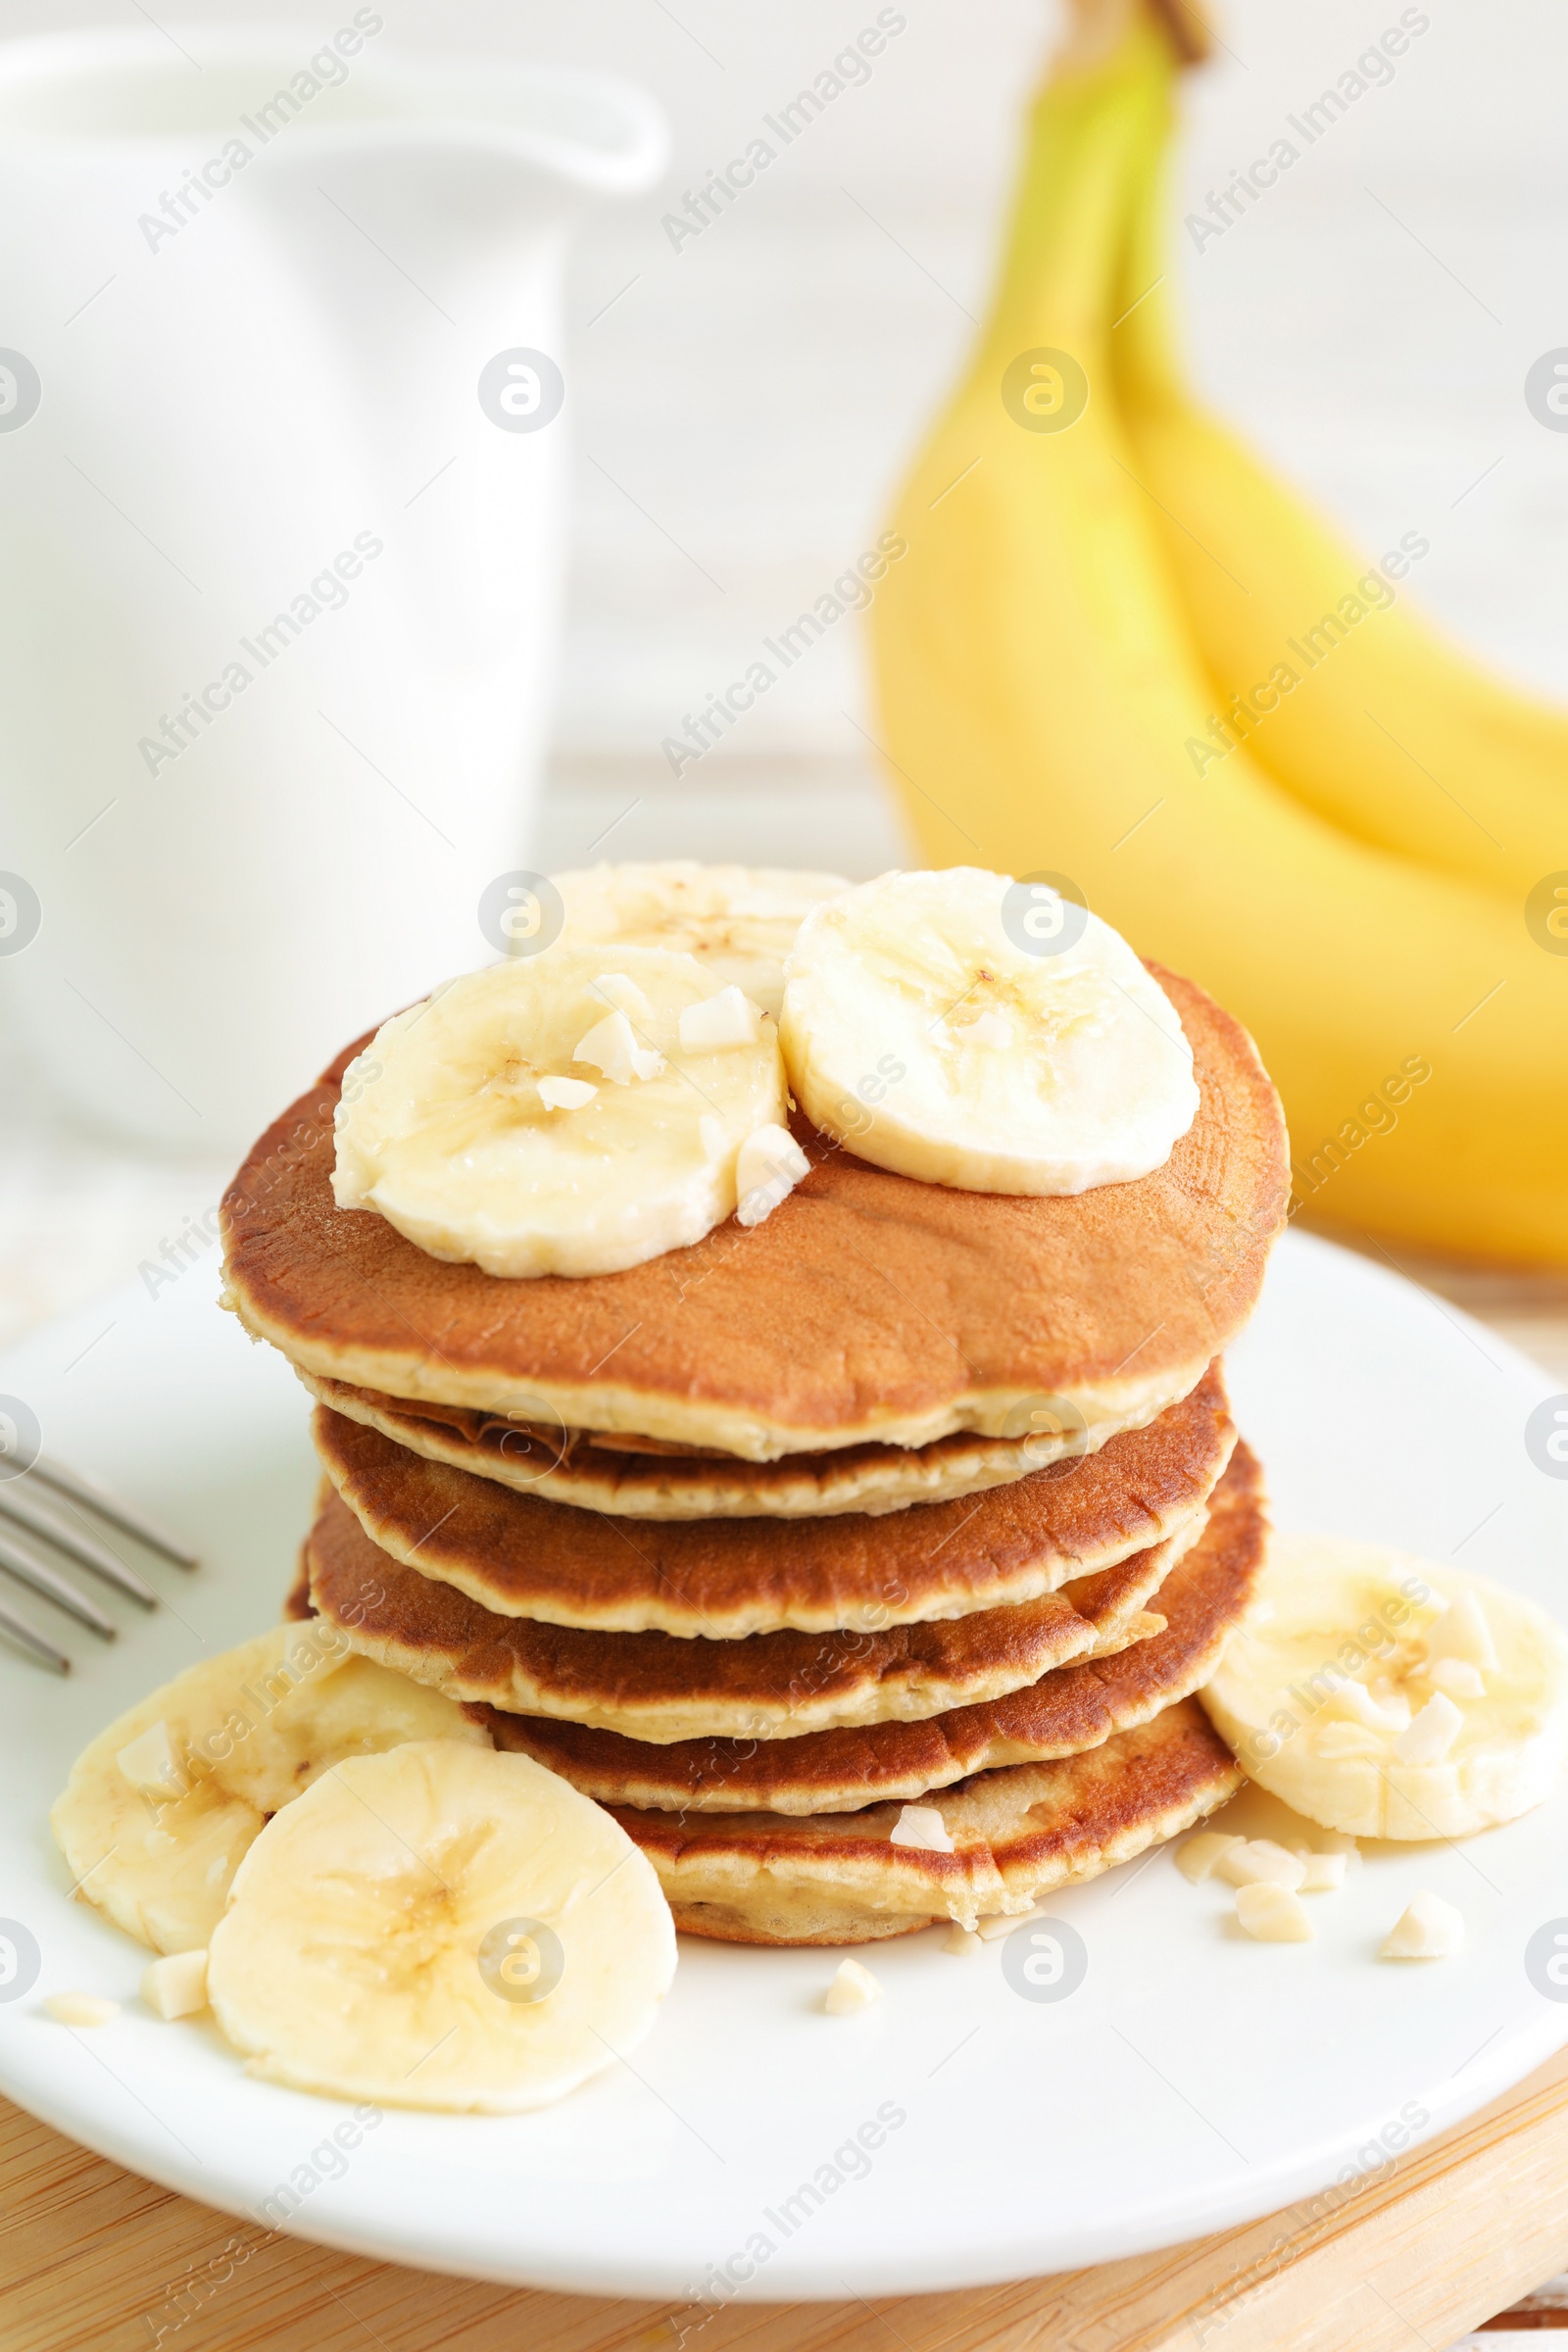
153	1764
1200	1854
1272	1913
727	1019
1432	1733
611	1046
621	990
1462	1632
853	1987
566	1093
177	1985
1324	1872
1428	1928
768	1165
1353	1703
1456	1678
921	1825
1395	1701
81	2008
1259	1862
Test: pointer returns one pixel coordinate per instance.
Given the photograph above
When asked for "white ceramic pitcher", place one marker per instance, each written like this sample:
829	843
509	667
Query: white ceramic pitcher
283	417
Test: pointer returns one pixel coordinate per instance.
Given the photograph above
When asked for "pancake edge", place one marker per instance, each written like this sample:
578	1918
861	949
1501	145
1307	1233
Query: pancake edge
649	1614
1107	1403
870	1492
730	1894
806	1797
679	1718
1106	1407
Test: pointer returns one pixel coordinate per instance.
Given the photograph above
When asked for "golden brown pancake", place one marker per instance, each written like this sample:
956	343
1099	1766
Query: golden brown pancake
866	1308
1065	1712
656	1687
522	1557
758	1878
633	1477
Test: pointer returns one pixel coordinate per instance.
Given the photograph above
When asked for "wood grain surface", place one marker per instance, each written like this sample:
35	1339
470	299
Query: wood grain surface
90	2255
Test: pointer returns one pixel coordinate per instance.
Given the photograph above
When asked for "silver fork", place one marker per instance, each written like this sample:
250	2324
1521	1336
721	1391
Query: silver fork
25	1506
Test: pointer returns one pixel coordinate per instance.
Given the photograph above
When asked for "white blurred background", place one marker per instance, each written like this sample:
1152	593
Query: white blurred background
744	404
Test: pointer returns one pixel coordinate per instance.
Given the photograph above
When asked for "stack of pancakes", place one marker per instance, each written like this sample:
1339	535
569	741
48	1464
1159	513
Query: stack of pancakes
863	1563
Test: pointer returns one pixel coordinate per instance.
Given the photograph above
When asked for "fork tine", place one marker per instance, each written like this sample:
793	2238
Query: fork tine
18	1629
83	1548
21	1562
94	1497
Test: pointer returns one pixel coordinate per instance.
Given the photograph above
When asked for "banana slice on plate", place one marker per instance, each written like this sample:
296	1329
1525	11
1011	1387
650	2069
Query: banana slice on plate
572	1113
1381	1694
968	1030
739	921
441	1926
161	1808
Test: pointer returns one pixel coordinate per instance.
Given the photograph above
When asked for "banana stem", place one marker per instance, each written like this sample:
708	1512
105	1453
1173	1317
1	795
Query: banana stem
1059	257
1098	26
1186	28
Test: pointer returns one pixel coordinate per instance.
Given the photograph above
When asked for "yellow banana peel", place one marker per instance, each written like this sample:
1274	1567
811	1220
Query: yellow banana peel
1042	687
1374	720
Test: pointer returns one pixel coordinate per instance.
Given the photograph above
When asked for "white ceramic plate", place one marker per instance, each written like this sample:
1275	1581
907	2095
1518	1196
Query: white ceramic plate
1193	2080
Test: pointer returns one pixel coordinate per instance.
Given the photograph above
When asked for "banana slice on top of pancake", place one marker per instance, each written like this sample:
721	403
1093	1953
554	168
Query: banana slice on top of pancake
968	1030
574	1112
161	1808
739	921
1384	1695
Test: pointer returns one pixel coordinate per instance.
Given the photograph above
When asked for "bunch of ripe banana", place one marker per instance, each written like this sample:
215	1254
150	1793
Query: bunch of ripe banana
1120	653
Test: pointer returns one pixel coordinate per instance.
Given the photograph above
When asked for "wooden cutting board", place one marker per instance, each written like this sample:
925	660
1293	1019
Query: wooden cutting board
91	2255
